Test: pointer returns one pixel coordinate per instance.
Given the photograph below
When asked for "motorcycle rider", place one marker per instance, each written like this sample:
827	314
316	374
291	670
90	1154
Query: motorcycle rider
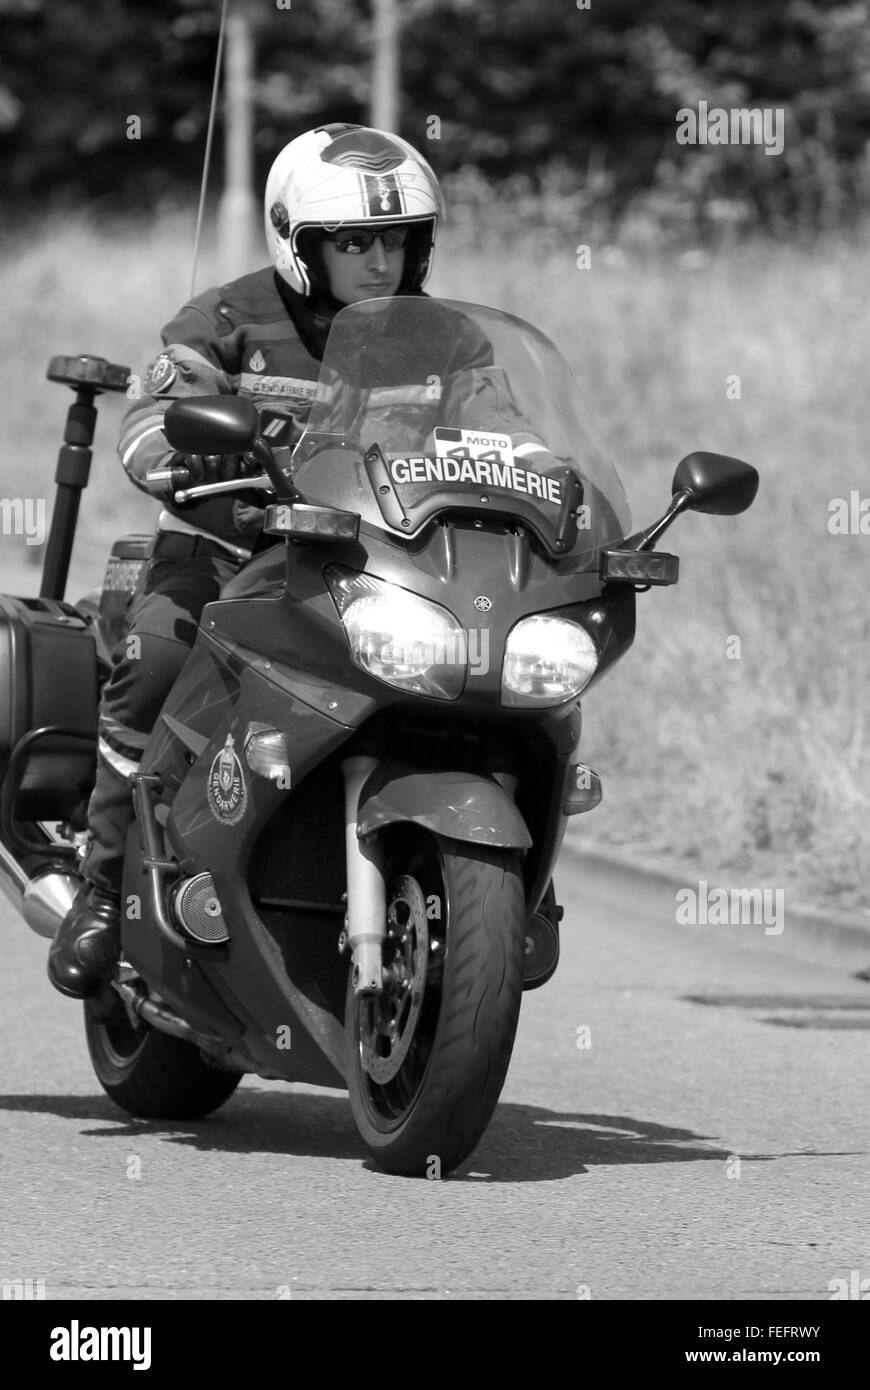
351	214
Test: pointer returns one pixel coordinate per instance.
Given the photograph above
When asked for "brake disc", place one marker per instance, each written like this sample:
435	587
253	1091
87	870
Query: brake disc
388	1021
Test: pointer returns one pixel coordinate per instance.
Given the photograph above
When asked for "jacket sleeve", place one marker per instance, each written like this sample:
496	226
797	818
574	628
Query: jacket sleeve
193	362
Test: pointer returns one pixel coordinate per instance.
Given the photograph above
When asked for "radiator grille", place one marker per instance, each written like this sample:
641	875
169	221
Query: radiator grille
301	855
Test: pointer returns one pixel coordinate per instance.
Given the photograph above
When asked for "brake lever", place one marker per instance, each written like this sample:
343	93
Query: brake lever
259	483
270	480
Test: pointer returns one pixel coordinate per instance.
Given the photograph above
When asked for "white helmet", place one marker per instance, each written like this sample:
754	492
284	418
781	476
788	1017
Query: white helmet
348	175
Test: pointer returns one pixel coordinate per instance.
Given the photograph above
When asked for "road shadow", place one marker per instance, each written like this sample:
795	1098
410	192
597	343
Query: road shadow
523	1143
527	1143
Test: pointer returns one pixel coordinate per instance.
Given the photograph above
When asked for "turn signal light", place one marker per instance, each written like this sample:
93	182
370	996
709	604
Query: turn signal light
583	792
312	523
266	753
639	567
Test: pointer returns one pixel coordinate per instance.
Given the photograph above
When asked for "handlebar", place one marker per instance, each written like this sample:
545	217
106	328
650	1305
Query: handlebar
158	479
177	477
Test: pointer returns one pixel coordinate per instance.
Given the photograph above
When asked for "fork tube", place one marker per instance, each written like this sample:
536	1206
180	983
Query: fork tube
366	890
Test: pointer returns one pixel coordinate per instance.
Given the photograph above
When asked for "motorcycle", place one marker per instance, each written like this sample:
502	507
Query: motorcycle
350	807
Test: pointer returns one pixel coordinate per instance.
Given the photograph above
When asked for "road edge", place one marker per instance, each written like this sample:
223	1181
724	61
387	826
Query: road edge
817	925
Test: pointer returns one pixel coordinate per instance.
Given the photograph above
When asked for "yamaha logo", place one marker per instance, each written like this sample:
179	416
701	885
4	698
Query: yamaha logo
482	603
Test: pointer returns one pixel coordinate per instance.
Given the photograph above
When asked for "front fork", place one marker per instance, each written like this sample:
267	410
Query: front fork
366	919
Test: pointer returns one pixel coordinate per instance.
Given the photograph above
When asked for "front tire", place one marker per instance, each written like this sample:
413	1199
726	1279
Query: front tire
428	1057
153	1075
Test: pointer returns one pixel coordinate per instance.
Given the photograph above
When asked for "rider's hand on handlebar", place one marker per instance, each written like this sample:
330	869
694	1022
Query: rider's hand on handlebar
183	471
214	468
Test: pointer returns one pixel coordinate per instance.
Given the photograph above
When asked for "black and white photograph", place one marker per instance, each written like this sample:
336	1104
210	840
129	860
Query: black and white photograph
434	655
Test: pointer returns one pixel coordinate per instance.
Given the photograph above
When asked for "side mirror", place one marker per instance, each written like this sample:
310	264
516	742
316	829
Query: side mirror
211	424
715	483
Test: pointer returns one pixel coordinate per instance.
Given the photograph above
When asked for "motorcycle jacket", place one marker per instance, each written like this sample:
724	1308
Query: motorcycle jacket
254	337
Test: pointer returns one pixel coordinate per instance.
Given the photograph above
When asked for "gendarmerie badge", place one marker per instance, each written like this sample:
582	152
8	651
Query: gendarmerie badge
160	375
227	793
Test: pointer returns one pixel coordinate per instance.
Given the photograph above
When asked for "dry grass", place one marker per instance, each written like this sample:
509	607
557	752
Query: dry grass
756	768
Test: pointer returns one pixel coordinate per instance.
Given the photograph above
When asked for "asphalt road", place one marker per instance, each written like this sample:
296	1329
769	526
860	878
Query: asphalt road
711	1142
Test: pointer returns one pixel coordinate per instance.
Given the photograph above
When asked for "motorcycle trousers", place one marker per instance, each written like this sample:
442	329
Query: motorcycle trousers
184	574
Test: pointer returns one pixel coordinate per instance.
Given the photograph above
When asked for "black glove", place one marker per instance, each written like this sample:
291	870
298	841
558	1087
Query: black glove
214	468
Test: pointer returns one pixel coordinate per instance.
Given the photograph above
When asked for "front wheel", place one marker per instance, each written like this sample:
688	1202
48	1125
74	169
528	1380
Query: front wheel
429	1056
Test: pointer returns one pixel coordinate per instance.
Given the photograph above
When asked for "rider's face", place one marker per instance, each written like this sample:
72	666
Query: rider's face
358	275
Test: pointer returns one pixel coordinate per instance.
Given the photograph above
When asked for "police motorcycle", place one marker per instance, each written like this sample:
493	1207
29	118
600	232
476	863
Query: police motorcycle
349	809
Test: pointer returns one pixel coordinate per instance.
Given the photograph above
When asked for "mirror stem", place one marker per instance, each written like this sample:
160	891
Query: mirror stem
283	485
647	539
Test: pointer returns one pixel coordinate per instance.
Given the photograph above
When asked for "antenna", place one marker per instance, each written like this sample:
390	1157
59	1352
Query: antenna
237	218
384	105
208	142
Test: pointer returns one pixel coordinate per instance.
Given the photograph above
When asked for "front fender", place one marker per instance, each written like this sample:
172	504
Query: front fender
458	805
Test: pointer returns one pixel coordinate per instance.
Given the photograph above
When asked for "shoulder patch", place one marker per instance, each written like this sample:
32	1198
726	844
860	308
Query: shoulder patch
160	375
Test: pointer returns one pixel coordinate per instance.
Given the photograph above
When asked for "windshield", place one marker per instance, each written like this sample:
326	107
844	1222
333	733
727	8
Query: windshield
426	406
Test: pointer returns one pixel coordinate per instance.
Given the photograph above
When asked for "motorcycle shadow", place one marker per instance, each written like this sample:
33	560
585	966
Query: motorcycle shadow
524	1143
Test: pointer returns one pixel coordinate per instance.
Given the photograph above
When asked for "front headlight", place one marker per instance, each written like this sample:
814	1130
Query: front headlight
398	637
547	661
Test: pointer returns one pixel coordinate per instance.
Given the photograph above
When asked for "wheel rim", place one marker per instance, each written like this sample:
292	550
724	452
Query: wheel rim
394	1031
118	1042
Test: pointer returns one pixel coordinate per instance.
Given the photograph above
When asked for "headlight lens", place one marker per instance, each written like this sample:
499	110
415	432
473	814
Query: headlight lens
547	661
398	637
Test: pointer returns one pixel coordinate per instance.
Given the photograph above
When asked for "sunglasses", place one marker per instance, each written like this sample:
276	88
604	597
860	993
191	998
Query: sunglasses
356	241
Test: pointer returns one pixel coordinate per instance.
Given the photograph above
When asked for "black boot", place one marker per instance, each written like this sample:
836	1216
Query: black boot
87	943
